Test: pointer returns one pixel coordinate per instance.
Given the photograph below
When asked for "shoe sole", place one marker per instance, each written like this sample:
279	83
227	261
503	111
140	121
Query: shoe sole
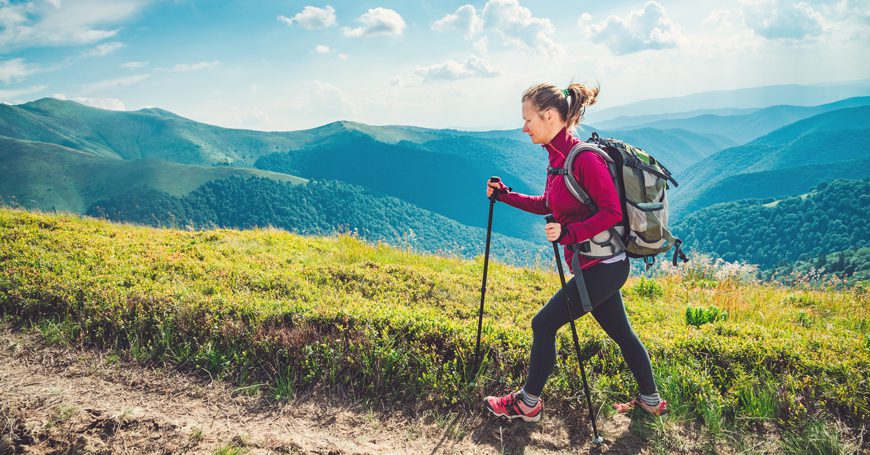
509	417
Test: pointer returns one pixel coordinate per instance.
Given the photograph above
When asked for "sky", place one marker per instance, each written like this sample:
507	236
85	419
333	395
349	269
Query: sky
291	65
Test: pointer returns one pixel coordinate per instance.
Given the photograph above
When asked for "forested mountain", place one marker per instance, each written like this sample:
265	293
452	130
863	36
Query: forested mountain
773	233
319	207
52	177
788	160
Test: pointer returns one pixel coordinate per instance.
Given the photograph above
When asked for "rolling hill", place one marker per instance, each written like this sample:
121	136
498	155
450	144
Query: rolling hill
773	233
53	177
791	159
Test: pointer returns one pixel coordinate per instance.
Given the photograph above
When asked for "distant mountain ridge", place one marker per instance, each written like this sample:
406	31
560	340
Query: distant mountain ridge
746	127
753	97
791	154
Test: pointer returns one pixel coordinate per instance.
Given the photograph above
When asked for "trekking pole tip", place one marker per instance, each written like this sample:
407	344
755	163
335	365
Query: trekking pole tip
597	440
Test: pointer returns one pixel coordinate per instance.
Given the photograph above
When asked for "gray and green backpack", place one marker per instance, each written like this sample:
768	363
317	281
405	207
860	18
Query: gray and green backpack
642	183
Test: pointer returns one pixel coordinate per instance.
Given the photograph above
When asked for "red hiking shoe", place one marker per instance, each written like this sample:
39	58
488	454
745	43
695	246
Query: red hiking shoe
657	410
512	407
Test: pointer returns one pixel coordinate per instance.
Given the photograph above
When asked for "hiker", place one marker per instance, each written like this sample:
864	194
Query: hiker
551	115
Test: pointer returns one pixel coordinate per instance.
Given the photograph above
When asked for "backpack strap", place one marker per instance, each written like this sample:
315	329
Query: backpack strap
606	243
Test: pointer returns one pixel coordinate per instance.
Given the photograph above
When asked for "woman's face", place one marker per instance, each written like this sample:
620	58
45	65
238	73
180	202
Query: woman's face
540	126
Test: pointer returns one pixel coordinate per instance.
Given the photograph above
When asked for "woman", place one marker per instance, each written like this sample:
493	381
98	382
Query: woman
550	116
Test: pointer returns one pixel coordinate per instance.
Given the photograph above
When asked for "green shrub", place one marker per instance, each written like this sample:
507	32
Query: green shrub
700	316
648	289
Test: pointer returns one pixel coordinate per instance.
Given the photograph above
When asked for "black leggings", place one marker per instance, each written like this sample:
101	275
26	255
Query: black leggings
603	282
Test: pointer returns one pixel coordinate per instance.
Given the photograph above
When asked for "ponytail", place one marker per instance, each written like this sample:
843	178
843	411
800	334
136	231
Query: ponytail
569	103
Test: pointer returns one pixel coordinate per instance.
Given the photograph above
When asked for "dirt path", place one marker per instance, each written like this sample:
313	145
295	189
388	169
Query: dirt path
60	400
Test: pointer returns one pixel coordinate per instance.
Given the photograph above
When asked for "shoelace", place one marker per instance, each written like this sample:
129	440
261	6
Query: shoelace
507	400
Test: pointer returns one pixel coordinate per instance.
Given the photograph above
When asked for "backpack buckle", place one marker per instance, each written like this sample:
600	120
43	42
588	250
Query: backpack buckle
557	170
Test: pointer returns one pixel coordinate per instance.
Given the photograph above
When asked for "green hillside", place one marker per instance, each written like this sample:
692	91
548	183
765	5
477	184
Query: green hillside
387	326
52	177
833	138
318	207
831	218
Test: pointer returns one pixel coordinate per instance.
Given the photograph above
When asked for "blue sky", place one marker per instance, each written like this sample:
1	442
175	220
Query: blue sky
288	65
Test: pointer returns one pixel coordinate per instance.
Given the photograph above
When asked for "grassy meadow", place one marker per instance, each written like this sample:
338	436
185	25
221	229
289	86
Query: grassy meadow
289	314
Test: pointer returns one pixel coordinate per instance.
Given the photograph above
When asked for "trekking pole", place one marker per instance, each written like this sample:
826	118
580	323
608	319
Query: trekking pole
596	440
492	198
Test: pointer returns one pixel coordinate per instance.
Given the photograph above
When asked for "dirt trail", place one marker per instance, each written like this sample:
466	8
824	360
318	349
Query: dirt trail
60	400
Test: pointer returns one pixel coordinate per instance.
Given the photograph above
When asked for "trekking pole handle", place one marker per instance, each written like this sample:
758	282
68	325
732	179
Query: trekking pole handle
550	219
496	179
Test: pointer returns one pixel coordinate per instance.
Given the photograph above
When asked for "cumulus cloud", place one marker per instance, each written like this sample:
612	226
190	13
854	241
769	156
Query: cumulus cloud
465	19
646	28
103	49
377	21
134	65
311	18
41	23
111	104
187	67
472	67
11	96
518	27
14	70
110	84
776	20
322	49
328	100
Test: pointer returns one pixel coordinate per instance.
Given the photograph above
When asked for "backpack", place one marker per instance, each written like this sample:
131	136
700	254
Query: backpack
642	184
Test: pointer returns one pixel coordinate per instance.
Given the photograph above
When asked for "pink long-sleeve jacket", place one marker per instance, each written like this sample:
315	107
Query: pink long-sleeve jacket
591	172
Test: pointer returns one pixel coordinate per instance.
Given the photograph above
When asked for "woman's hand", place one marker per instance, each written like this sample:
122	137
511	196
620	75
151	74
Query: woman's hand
491	187
553	231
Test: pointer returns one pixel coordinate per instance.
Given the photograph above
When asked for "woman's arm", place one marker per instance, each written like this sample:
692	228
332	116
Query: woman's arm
596	180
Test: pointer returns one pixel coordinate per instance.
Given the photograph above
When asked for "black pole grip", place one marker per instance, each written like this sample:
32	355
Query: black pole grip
550	218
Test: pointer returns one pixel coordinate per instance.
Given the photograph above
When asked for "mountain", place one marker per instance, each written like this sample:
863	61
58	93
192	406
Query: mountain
632	121
676	148
755	97
54	177
315	208
832	217
789	160
745	127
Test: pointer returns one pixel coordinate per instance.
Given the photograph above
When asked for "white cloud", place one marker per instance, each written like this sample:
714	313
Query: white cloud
14	70
187	67
472	67
328	101
321	49
377	21
519	27
311	18
777	20
343	56
40	23
646	28
134	65
111	104
104	49
465	19
11	96
110	84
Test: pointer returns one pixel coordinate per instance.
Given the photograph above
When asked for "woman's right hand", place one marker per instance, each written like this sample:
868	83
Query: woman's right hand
491	187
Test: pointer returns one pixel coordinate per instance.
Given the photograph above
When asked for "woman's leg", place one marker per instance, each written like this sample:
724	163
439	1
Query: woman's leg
602	281
612	318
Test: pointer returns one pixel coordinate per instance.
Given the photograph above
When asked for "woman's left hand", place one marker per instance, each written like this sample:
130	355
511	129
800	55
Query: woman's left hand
553	231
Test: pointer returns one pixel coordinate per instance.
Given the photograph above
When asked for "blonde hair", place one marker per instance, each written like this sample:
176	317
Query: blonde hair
570	106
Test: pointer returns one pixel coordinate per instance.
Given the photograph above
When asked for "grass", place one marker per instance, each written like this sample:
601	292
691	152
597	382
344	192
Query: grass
281	314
